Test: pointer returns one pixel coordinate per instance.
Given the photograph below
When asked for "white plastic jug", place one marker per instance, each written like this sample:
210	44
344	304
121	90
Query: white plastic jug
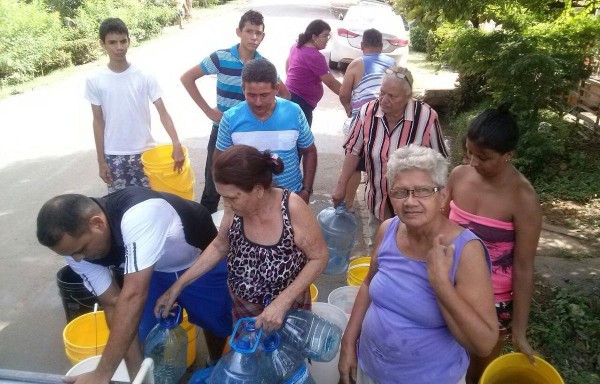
327	373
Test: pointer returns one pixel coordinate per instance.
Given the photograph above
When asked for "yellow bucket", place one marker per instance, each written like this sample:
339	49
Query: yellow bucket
86	336
515	368
158	166
314	293
358	270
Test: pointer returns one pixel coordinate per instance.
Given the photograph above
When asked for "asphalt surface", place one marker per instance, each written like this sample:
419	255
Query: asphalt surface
47	149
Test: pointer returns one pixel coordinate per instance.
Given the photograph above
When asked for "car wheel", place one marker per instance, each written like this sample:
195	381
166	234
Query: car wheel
333	64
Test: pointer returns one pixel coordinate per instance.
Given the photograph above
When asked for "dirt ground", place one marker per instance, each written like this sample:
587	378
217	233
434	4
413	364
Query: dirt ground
569	249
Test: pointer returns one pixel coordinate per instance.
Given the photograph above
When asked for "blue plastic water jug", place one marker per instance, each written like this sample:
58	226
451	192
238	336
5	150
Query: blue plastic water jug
240	365
166	344
339	230
201	376
282	362
317	338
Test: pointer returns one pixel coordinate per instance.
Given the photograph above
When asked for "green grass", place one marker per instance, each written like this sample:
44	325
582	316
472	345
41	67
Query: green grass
564	327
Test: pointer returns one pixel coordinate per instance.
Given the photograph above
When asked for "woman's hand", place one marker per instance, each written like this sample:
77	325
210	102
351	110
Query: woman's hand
439	262
167	300
271	319
522	345
348	364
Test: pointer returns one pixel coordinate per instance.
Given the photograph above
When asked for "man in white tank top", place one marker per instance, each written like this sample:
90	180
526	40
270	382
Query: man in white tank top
361	84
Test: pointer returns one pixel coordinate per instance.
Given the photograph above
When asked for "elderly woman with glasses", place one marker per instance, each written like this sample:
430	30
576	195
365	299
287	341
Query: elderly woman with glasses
392	121
427	301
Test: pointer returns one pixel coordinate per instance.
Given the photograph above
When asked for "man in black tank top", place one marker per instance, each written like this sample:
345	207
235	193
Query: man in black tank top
154	237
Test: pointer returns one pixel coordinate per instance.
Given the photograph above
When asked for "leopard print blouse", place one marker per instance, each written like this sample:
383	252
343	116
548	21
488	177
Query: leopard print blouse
255	270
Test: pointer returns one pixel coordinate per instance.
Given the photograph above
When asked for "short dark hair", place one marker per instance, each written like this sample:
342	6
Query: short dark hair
64	214
372	38
315	27
259	71
254	17
495	129
245	167
113	25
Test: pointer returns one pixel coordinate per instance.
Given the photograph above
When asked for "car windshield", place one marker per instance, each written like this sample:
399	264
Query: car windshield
382	18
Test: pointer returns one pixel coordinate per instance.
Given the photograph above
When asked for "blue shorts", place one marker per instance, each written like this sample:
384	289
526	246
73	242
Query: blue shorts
206	300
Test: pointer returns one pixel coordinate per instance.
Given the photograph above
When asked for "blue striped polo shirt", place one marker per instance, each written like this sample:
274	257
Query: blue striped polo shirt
283	133
226	64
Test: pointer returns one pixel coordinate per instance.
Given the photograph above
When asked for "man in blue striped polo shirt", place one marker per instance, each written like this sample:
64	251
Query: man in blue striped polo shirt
227	64
268	122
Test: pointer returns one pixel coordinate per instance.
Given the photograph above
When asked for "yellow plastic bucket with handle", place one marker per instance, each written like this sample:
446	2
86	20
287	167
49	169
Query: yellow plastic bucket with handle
515	368
158	167
86	336
314	293
358	270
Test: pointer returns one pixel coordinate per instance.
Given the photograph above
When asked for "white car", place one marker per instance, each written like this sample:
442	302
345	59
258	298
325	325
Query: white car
338	8
345	45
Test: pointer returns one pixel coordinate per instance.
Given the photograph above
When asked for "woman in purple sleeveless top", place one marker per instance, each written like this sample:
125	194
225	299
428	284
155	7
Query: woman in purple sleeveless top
493	199
427	302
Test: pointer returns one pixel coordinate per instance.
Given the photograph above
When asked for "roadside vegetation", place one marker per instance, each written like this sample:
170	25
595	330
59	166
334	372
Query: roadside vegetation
41	36
565	329
527	52
530	53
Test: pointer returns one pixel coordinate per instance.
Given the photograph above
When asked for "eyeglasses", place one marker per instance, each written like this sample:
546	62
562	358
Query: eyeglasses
400	75
418	192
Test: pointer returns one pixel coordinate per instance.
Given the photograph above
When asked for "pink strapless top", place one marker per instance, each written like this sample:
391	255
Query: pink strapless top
499	238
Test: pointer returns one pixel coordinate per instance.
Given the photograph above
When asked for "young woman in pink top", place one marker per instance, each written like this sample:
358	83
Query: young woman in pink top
494	200
307	68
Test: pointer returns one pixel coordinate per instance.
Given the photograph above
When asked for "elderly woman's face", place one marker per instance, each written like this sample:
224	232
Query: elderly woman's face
394	94
415	197
236	198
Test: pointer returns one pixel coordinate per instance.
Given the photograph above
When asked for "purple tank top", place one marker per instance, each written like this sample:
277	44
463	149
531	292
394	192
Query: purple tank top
404	335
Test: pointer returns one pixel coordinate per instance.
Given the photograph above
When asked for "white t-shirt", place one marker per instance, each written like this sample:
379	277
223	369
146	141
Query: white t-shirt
153	236
124	98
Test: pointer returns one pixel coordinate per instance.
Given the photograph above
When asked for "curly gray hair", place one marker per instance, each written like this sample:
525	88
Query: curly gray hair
420	158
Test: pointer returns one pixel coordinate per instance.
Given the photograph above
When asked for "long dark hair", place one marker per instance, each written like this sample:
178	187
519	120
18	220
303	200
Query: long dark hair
245	167
314	28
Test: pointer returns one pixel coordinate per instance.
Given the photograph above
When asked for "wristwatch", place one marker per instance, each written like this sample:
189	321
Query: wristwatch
309	190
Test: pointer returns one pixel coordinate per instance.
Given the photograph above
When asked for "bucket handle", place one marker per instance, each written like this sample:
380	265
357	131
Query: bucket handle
82	304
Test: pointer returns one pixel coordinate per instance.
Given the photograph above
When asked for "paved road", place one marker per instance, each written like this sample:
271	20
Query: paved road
47	149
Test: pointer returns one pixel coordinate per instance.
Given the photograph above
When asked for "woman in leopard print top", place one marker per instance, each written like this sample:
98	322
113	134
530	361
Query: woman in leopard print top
271	239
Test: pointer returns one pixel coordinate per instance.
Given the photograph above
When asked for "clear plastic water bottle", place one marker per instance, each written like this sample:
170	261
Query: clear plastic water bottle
283	362
241	364
317	338
339	230
166	344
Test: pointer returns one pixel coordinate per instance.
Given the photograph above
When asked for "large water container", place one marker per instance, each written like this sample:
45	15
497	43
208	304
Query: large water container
339	230
317	338
282	362
167	345
241	364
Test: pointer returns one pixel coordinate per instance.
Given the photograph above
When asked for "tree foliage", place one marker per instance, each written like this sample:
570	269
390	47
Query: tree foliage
433	13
